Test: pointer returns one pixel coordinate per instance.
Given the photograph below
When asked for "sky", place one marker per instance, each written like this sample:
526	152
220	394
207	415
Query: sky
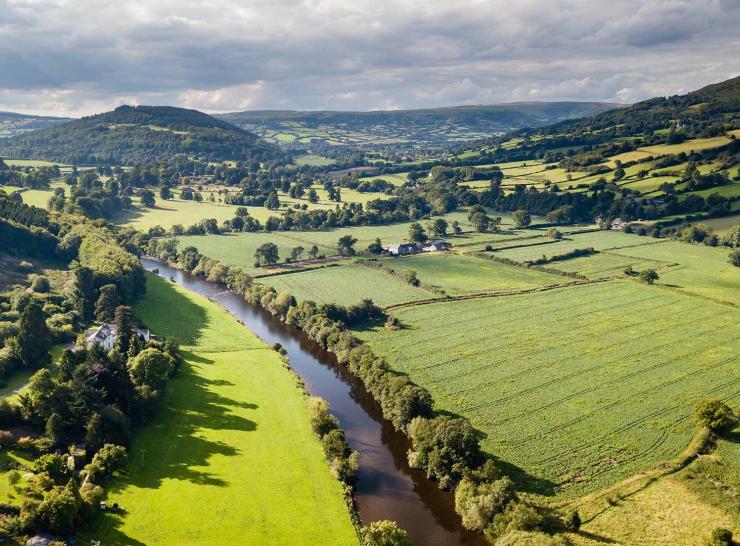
80	57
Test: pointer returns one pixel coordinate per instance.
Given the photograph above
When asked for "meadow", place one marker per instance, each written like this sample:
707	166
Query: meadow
230	457
574	387
347	285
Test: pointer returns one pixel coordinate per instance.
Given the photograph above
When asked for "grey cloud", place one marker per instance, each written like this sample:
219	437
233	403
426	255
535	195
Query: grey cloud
86	56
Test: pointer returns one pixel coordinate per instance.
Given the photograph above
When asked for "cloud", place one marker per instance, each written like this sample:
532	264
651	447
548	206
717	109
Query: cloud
84	56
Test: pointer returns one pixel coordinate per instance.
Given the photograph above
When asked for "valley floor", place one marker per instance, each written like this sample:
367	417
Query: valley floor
230	457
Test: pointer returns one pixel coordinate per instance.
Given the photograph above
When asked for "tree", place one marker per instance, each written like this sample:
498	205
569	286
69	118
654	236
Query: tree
33	338
165	193
553	233
480	221
439	227
40	284
109	459
147	198
105	307
272	202
410	277
521	218
383	533
125	327
456	228
715	415
59	511
346	244
735	258
267	253
313	252
417	233
55	429
313	197
573	521
83	294
296	253
151	367
375	247
649	276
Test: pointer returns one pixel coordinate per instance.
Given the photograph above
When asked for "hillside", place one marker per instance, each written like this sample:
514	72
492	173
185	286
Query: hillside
130	134
12	124
436	126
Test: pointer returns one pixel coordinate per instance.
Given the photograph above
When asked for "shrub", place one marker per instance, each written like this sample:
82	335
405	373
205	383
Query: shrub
322	421
715	415
410	277
720	537
649	276
573	521
518	516
40	284
734	258
25	266
477	503
383	533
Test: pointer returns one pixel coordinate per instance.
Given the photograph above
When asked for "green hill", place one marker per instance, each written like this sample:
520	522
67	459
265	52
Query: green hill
131	134
434	126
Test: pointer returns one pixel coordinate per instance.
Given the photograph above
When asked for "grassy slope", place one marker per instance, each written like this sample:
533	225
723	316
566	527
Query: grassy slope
230	457
579	387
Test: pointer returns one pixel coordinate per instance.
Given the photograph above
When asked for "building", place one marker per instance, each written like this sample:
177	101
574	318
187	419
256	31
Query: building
402	249
105	335
436	246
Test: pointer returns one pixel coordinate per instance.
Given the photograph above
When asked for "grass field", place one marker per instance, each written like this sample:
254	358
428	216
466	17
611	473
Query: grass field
680	509
577	387
313	160
238	249
230	457
347	285
723	225
458	275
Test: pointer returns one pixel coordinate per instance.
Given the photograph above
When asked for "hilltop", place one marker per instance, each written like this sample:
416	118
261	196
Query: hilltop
130	134
433	126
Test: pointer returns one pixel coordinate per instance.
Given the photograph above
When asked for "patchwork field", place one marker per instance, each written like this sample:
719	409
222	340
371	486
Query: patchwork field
347	285
577	387
231	442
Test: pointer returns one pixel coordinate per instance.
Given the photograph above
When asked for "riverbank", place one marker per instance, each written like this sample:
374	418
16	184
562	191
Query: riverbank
230	457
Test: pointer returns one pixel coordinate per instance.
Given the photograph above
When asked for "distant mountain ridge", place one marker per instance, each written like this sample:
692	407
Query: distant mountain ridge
430	126
13	123
131	134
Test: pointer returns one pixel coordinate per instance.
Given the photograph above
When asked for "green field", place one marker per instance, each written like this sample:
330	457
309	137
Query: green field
230	457
347	285
238	249
459	275
311	160
577	387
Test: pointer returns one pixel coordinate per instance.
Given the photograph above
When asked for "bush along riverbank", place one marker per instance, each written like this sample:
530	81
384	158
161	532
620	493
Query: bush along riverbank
446	448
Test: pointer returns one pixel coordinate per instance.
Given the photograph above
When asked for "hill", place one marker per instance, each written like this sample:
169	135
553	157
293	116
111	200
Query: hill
436	126
131	134
12	123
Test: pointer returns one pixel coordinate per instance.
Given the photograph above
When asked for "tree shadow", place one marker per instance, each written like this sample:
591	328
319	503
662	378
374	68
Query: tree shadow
597	538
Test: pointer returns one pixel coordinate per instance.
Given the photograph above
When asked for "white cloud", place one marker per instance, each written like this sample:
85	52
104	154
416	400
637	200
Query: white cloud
82	56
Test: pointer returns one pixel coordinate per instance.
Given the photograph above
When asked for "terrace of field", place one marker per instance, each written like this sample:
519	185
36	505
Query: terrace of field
230	457
578	387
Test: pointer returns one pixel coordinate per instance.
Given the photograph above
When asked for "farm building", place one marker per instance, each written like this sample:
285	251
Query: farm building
436	246
105	335
402	249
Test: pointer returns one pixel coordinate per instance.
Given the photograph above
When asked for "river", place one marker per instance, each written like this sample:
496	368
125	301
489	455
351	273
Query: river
387	488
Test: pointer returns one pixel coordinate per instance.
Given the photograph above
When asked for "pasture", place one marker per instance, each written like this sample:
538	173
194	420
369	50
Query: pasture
347	285
458	275
230	457
575	387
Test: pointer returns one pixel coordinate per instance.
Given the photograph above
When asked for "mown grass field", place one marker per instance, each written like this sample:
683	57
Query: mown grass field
347	285
230	457
577	387
457	275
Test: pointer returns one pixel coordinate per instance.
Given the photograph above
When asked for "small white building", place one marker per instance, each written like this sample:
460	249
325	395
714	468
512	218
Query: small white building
436	246
105	335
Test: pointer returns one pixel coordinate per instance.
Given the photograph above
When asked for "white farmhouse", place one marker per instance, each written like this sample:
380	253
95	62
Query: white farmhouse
105	335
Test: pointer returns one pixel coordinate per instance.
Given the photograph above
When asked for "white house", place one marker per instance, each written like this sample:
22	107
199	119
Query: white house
436	246
105	335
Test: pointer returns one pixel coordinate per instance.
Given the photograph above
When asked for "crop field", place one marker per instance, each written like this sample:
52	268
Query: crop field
347	285
577	387
238	249
599	240
702	269
231	442
457	275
